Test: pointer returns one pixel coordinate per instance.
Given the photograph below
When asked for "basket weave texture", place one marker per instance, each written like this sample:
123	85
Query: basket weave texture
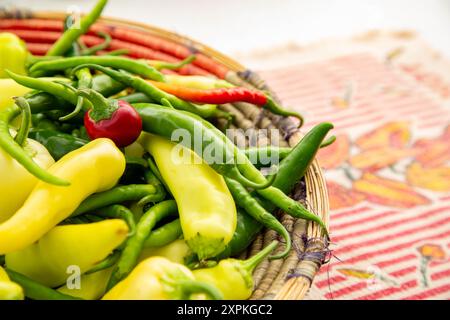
278	279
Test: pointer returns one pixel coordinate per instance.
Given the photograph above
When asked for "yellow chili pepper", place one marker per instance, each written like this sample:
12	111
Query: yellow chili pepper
157	278
95	167
233	277
92	286
175	251
8	289
16	182
79	245
206	207
13	54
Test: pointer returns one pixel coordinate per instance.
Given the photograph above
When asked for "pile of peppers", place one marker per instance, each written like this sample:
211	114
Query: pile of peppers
98	201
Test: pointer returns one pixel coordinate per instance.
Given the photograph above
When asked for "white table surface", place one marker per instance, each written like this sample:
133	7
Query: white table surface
233	26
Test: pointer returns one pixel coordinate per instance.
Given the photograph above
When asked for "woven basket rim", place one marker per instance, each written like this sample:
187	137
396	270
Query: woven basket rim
316	190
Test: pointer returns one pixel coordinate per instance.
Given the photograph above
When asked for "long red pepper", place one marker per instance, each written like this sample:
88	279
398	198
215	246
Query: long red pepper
226	95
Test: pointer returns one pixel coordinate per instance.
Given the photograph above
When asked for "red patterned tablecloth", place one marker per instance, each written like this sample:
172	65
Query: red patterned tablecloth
388	174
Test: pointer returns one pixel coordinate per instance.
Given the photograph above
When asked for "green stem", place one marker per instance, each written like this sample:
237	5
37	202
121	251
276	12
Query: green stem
25	124
106	263
105	44
173	66
118	52
250	264
102	108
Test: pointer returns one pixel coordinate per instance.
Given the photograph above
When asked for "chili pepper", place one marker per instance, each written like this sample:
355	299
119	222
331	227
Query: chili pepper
225	95
113	119
8	90
47	205
119	212
74	49
153	92
135	243
164	121
118	52
137	97
58	144
176	251
262	156
197	82
157	278
8	289
54	88
35	290
247	227
164	235
170	65
81	245
118	194
92	286
101	46
84	82
233	277
72	34
133	66
13	54
11	147
208	223
107	263
245	200
16	182
304	152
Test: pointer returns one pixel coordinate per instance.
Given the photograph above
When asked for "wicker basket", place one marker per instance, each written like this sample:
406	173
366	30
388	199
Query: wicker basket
279	279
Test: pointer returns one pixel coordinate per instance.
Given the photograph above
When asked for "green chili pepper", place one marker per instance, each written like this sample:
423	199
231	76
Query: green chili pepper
164	235
137	97
84	82
153	92
110	261
74	49
164	121
171	66
135	243
36	291
244	199
25	124
58	144
64	43
119	194
119	212
101	46
133	66
11	147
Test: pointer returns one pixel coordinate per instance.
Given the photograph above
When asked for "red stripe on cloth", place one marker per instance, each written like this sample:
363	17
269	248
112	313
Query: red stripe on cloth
330	281
346	213
429	293
360	221
392	224
367	255
389	291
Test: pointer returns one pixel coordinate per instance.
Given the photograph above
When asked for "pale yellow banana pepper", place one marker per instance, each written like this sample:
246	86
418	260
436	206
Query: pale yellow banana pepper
95	167
8	289
92	286
79	246
157	278
175	251
13	54
206	207
16	182
9	89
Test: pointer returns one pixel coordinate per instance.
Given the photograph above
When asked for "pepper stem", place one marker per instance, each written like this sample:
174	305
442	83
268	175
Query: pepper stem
171	66
25	125
102	108
192	286
250	264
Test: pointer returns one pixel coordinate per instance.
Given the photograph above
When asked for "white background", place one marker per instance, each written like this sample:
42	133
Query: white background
233	26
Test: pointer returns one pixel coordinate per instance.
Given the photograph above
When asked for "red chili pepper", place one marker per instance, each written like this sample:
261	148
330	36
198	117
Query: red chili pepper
226	95
116	120
214	96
